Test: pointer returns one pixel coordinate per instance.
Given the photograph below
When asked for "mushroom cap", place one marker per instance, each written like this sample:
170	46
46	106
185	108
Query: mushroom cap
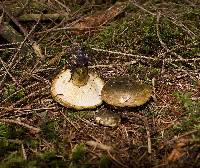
125	92
107	118
78	97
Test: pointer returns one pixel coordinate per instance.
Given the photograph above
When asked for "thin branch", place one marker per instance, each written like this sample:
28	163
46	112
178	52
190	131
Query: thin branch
117	161
36	48
161	41
179	137
9	121
169	60
26	109
24	152
24	31
145	121
112	65
63	5
7	71
22	89
185	28
145	10
68	120
42	17
31	95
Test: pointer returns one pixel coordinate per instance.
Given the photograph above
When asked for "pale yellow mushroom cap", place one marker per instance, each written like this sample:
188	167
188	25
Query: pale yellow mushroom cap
78	97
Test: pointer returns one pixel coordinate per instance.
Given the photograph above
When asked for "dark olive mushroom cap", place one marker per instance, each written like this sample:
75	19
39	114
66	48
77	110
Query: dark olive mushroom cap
125	92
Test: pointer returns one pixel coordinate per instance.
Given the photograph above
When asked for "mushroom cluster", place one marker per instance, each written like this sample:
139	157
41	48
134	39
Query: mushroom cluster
80	89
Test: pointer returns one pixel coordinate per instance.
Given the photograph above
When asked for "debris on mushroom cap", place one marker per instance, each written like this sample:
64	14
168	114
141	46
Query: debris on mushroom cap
78	58
125	92
65	92
107	118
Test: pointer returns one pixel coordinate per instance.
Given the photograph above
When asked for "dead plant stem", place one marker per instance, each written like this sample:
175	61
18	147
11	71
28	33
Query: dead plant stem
169	60
9	121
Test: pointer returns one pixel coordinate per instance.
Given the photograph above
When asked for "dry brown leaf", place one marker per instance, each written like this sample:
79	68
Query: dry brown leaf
99	19
177	151
175	155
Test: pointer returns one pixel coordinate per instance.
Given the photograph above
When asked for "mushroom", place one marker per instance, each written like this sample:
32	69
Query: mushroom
77	88
107	118
125	92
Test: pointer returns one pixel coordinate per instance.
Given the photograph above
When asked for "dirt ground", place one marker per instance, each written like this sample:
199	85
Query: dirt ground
153	41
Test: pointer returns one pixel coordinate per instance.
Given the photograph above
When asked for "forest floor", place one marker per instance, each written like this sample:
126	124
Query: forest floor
153	41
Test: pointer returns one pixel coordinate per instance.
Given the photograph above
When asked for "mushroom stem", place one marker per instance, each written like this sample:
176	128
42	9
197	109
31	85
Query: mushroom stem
80	76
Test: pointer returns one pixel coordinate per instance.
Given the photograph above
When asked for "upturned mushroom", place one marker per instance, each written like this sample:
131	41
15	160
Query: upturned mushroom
77	88
126	92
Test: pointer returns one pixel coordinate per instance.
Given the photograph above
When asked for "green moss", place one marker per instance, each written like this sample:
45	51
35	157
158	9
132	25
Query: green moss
78	159
4	131
16	160
11	138
137	35
189	52
15	132
169	32
144	72
192	115
31	143
105	161
12	92
10	89
7	147
5	55
50	159
49	129
193	14
80	114
63	62
78	153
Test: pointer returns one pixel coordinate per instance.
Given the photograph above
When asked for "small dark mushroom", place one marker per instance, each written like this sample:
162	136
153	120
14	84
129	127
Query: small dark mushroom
126	92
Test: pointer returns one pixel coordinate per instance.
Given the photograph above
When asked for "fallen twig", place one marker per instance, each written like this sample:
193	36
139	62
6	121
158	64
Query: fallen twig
64	6
31	95
161	41
169	60
117	161
113	65
178	137
145	10
68	120
24	152
9	121
27	109
4	65
144	119
43	17
27	35
185	28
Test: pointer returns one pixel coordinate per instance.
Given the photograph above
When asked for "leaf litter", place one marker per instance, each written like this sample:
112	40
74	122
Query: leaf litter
165	132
